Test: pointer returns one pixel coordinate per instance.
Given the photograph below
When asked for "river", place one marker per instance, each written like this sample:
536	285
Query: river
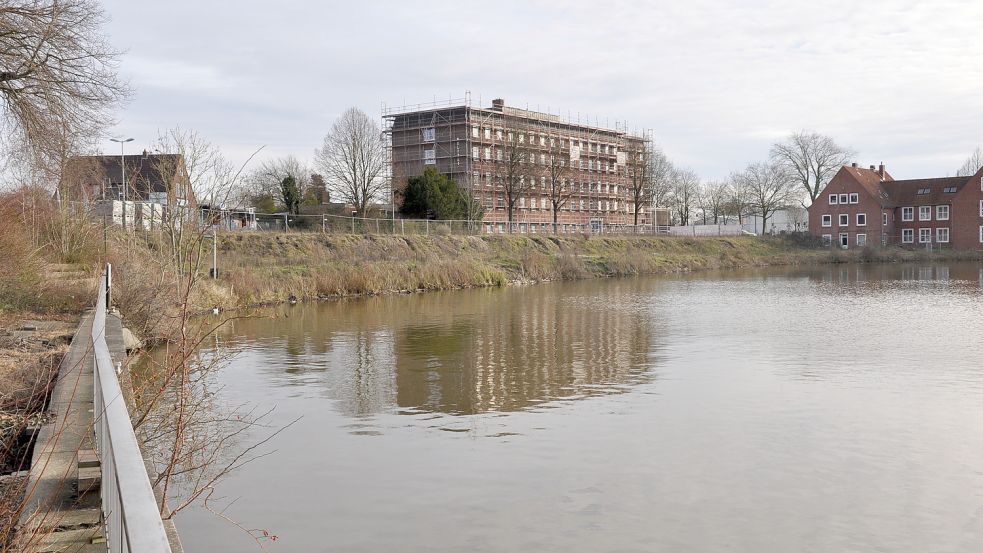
830	409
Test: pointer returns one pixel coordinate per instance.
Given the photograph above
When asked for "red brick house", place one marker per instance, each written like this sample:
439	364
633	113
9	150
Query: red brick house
867	206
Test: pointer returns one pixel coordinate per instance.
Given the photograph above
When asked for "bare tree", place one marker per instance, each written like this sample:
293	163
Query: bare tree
352	159
712	200
517	168
738	197
770	188
685	185
58	79
812	158
972	165
557	169
272	178
638	162
660	178
204	166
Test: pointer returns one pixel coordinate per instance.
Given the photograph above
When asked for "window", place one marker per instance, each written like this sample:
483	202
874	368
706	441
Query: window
498	154
907	214
832	199
924	213
474	152
498	134
942	235
474	132
861	240
429	157
981	234
854	198
924	235
487	133
924	191
861	219
908	236
429	134
884	219
942	213
981	208
844	219
844	199
844	239
828	238
949	190
488	153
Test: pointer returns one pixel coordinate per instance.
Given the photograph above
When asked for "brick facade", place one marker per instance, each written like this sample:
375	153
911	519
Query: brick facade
938	213
467	143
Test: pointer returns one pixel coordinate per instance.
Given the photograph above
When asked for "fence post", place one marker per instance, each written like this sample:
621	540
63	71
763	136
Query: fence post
109	285
377	226
353	224
286	225
323	226
402	226
428	226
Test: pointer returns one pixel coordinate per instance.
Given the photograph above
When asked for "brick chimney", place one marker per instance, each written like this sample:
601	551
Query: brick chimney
880	170
854	165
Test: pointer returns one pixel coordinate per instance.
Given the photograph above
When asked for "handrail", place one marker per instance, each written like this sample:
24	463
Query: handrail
129	508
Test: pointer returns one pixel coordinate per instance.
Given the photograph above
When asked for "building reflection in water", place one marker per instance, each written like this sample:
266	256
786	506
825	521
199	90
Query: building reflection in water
461	352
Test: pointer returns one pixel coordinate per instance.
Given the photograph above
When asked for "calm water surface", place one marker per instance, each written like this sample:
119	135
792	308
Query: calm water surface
838	409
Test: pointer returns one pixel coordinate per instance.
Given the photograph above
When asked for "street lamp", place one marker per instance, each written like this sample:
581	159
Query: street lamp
122	168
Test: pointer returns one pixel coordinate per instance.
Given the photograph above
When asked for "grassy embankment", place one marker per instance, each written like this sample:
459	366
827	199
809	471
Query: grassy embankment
259	267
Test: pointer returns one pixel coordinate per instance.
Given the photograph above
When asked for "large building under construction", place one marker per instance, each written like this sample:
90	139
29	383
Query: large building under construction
473	145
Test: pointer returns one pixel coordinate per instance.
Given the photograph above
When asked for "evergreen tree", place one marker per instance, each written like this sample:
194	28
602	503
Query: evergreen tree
433	195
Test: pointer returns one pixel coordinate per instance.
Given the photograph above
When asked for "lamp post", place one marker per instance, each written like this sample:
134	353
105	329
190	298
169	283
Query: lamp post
122	168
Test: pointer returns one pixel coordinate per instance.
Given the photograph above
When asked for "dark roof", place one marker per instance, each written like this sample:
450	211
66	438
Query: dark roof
145	172
905	192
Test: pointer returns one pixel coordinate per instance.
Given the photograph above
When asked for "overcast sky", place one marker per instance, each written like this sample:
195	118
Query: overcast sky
900	82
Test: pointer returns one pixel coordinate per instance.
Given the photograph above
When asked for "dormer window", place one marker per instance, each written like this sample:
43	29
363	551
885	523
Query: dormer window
924	191
949	190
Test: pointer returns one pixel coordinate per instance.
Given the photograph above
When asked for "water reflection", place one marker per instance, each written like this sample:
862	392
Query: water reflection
459	352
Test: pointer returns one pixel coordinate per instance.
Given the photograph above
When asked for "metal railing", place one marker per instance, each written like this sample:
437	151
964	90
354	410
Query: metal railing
129	508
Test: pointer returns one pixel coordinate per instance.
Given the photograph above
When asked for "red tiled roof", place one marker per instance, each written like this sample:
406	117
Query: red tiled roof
871	181
905	192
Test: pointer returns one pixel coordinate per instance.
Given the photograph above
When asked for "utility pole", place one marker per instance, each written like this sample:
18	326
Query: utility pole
122	168
214	253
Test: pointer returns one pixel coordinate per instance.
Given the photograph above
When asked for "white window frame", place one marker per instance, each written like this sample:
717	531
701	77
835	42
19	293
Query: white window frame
832	199
863	224
981	234
924	213
907	213
828	238
844	219
981	208
827	220
854	198
883	218
922	233
938	235
907	236
474	132
430	157
861	240
844	239
429	134
844	198
939	209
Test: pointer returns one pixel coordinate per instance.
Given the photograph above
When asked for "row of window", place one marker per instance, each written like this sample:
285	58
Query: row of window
845	220
907	236
925	213
498	154
835	199
925	236
596	147
490	202
599	187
